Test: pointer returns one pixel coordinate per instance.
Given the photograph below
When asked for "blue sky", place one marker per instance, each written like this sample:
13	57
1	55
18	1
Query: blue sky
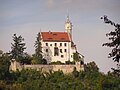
27	17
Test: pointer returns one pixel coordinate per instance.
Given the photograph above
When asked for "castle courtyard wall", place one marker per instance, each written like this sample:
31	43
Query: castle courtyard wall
46	68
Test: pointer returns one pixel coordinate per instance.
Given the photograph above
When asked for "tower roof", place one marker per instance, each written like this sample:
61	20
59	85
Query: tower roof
68	20
55	36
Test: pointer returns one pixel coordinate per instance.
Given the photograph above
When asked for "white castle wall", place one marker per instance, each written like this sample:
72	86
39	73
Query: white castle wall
49	56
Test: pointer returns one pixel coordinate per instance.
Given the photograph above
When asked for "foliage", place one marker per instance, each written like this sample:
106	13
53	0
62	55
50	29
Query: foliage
1	52
35	60
29	79
17	47
26	59
4	66
75	72
56	63
114	37
69	62
76	56
38	49
44	61
91	67
111	83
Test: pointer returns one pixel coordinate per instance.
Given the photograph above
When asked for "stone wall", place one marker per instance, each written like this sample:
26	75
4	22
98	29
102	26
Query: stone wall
45	68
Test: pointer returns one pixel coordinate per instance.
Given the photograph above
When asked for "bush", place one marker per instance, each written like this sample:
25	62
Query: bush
69	62
57	63
44	61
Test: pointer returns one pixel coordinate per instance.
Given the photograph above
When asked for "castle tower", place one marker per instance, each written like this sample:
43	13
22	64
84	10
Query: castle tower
68	27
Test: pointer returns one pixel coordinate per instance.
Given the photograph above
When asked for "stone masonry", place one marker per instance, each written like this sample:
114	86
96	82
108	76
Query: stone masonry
46	68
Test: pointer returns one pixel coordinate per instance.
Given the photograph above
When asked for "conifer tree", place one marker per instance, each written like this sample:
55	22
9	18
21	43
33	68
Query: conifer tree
17	47
38	49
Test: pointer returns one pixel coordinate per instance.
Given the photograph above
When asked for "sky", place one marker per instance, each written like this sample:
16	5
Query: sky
28	17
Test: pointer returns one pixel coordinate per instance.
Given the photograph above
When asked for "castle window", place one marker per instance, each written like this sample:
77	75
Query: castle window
50	44
65	50
64	44
62	56
61	50
60	44
46	50
46	44
56	51
55	44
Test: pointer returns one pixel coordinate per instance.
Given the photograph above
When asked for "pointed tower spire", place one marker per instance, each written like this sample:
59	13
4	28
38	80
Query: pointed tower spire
68	27
67	17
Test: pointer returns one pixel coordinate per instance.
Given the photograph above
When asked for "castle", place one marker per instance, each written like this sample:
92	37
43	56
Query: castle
56	46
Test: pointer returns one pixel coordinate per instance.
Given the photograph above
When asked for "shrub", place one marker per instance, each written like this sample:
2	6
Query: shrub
57	63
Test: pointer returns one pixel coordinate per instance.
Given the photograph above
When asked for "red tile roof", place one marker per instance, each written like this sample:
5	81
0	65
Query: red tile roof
55	36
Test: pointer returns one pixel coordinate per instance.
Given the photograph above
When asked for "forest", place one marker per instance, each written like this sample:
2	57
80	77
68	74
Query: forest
27	79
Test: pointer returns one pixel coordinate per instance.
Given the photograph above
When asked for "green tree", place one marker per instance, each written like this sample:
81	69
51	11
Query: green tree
91	67
111	83
1	52
4	66
114	37
56	63
75	73
17	47
2	85
76	56
38	49
26	58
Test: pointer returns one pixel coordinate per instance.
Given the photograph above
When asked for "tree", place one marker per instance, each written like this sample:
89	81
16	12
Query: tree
44	61
26	58
75	73
38	49
4	66
76	56
1	52
56	63
17	47
91	67
114	37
